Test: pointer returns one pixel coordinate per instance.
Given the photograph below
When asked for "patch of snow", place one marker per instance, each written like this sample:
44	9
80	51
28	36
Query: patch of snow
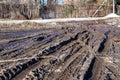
111	15
52	20
118	25
108	59
59	69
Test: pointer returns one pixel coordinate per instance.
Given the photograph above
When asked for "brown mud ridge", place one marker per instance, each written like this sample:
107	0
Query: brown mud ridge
79	52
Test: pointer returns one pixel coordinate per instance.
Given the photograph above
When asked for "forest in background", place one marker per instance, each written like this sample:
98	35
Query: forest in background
34	9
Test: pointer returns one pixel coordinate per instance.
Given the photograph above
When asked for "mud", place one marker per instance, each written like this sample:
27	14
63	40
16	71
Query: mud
74	51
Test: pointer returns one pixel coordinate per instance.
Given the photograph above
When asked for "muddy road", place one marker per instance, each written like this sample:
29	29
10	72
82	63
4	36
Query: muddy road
82	52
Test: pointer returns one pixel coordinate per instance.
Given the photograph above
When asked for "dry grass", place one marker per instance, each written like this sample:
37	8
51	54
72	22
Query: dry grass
34	25
24	26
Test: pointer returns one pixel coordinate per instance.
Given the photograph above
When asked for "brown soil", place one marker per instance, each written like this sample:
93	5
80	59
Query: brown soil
74	51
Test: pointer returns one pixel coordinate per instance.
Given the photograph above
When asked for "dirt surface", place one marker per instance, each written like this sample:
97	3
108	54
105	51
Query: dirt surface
74	51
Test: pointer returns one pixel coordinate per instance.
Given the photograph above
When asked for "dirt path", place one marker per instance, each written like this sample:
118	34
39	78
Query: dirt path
81	52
